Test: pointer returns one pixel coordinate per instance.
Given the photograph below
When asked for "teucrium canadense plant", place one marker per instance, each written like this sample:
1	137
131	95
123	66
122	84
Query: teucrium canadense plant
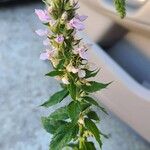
73	124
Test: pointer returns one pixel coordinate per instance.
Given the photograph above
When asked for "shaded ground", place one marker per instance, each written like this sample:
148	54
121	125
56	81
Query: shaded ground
23	87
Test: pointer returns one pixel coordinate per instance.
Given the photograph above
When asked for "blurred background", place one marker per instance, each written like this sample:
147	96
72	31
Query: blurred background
124	55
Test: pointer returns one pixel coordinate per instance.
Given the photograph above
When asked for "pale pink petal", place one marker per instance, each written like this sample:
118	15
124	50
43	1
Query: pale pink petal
83	55
43	15
47	55
81	17
59	39
74	70
77	24
65	80
81	73
43	56
46	42
41	32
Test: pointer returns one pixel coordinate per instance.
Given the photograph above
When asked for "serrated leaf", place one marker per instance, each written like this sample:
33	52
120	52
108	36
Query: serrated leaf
84	106
59	114
92	101
92	115
94	86
56	98
50	125
74	110
90	125
72	90
62	137
54	73
61	64
88	146
73	146
90	74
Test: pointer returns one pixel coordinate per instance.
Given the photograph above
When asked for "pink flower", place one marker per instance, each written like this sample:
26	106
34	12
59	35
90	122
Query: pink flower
82	52
41	32
47	55
46	42
81	73
43	15
65	80
77	24
59	39
81	17
72	69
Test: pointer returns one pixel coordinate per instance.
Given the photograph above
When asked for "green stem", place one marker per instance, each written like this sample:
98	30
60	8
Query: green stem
80	136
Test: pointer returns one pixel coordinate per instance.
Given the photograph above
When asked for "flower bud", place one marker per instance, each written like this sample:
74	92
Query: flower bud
84	62
50	9
72	2
64	16
69	68
55	62
58	78
74	70
81	121
65	80
81	73
83	94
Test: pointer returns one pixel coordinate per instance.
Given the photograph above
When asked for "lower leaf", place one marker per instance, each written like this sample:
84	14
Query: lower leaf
50	125
90	125
63	136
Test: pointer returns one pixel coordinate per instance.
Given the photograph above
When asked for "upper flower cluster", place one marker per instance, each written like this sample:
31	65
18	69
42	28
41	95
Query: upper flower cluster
70	23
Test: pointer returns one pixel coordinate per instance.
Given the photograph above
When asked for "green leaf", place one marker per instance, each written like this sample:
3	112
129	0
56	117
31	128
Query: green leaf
90	74
92	101
73	146
56	98
59	114
90	125
54	73
61	64
72	90
92	115
94	86
63	136
84	106
68	6
74	110
50	125
88	146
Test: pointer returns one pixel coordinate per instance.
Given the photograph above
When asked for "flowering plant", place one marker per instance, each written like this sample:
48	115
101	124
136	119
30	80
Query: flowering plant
73	124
